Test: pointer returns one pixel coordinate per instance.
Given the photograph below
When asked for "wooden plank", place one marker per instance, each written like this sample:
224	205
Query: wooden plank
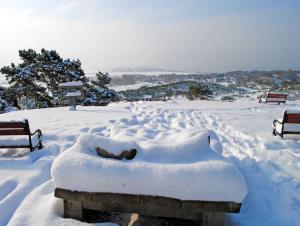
291	132
147	205
156	200
277	95
295	121
144	205
222	207
293	116
166	207
72	195
11	132
12	125
119	202
150	210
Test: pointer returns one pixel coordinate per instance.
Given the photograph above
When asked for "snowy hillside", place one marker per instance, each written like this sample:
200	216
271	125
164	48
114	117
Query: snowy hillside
258	80
269	164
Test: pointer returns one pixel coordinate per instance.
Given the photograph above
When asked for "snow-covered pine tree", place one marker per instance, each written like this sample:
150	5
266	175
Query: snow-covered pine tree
199	91
23	81
4	105
97	93
102	80
34	82
54	70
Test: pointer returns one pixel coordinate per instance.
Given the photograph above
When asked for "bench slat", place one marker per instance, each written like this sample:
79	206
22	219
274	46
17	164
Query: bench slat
14	146
9	132
291	132
294	116
274	95
293	120
12	125
276	98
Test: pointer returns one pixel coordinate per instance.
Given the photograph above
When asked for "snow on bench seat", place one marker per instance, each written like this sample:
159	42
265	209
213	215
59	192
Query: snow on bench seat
287	126
187	171
18	141
73	94
68	84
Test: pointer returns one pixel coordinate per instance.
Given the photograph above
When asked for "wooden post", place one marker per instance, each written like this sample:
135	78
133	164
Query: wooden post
73	209
212	219
70	92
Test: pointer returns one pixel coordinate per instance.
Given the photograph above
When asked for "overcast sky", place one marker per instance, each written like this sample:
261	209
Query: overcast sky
189	35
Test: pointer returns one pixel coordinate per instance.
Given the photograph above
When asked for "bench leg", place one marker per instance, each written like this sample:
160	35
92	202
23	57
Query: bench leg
40	146
73	209
212	219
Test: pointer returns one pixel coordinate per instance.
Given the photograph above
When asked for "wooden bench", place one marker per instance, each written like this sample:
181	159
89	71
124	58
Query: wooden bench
275	98
20	129
78	205
290	124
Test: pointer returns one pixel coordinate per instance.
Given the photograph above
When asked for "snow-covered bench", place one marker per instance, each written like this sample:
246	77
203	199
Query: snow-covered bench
289	124
19	128
188	180
275	98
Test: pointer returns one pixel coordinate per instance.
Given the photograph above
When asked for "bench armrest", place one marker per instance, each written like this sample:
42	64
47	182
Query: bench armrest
277	121
38	131
275	132
39	134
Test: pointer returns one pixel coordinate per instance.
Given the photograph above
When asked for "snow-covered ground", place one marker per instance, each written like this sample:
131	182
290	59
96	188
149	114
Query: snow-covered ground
3	81
148	73
270	165
134	86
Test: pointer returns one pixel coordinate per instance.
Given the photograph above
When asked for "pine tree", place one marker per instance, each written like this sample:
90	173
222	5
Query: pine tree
24	85
34	82
199	91
102	80
4	105
98	93
53	70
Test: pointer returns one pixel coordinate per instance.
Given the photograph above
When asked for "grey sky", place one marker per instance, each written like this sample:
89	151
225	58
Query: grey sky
179	35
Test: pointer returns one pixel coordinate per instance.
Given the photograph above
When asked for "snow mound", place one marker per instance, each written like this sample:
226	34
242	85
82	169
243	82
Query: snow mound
188	170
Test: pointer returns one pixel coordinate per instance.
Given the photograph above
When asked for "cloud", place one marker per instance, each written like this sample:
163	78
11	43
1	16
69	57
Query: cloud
219	43
70	6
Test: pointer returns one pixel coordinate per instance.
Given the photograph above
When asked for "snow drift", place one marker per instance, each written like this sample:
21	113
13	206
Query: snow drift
189	170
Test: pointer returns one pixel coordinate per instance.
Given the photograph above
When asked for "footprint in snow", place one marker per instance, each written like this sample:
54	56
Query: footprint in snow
85	129
112	121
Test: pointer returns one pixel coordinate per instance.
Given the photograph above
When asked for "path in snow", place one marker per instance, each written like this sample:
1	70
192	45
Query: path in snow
271	170
270	165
